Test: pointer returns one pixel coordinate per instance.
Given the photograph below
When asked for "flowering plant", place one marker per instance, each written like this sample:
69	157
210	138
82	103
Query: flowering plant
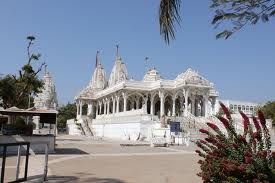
234	157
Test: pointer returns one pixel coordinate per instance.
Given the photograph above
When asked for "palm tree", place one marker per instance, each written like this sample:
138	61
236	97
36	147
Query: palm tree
169	14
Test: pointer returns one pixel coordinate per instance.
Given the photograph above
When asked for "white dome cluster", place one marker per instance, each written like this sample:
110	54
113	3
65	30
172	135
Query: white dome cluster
152	75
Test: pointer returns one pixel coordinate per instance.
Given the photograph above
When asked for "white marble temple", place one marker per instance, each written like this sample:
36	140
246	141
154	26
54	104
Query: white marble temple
128	109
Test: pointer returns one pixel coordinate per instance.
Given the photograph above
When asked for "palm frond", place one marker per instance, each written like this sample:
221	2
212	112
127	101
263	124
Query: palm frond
169	14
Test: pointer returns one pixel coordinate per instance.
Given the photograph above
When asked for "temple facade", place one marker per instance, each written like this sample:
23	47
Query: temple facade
118	107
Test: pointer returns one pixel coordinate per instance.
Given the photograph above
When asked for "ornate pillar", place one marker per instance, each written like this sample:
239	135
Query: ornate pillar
100	108
114	105
96	109
186	95
80	113
161	95
196	107
124	101
152	105
193	105
108	106
90	109
213	105
77	110
117	104
145	104
205	105
104	107
174	106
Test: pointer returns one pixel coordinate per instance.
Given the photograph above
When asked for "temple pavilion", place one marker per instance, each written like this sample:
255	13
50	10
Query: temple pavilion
118	106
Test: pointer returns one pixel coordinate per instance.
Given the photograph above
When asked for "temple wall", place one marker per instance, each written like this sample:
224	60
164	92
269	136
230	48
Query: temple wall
131	128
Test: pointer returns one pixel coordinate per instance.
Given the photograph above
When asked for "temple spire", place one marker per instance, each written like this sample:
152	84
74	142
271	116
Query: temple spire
97	59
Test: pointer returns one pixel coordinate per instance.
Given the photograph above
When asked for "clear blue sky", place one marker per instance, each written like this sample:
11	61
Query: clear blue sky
69	32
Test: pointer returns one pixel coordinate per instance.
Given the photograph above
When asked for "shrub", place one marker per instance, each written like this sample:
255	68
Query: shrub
234	157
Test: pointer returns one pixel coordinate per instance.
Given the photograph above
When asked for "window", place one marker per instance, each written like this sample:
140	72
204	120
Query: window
251	109
239	108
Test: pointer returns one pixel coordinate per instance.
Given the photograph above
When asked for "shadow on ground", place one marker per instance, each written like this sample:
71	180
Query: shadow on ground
71	179
74	140
62	151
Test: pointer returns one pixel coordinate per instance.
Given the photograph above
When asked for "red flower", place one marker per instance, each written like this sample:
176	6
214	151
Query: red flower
245	122
242	167
198	151
236	146
263	154
256	135
200	162
248	160
220	146
213	126
211	140
202	141
262	118
248	153
224	121
226	111
204	131
242	139
256	124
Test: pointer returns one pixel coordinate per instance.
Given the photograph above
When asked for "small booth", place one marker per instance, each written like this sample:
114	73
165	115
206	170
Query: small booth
44	132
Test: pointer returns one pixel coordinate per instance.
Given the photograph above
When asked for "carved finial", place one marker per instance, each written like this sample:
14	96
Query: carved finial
146	64
45	68
97	59
117	51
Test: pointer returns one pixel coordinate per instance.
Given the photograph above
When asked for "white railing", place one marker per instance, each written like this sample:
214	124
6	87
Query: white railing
126	113
125	118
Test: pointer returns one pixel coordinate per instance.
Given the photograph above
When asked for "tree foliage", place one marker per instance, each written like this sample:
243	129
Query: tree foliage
169	13
64	113
269	111
16	89
237	157
238	13
233	14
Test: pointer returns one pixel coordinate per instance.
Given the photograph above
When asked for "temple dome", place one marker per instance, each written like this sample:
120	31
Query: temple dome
119	72
99	81
152	75
192	77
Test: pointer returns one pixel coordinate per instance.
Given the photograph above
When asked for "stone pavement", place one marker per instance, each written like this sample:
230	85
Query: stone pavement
81	159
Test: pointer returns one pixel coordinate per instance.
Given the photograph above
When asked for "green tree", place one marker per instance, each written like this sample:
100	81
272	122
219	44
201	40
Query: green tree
64	113
15	90
269	111
233	13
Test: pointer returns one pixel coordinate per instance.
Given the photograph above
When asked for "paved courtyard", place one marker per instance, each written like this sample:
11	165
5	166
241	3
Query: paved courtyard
81	159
